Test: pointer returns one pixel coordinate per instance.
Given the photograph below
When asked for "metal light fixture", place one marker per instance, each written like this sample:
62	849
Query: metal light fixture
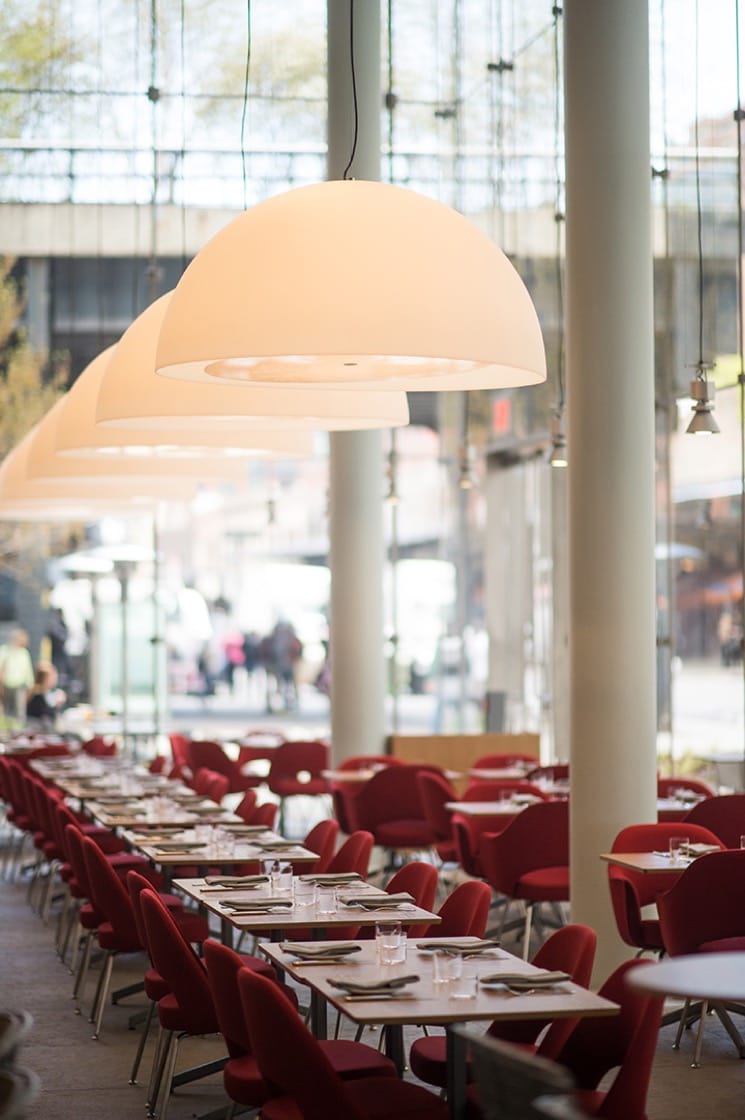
558	455
357	285
702	394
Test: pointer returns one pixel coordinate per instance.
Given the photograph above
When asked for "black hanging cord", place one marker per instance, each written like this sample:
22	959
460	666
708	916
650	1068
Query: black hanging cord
244	113
345	174
699	217
739	114
558	215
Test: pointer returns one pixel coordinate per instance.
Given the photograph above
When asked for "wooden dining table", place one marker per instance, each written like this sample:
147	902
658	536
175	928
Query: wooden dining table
425	1003
281	921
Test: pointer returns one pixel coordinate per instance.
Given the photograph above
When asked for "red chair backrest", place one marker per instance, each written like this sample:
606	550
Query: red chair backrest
291	758
99	747
570	949
322	839
179	748
136	884
627	1040
109	893
211	784
466	844
668	787
354	854
76	855
705	903
725	816
179	966
419	879
538	837
391	795
265	814
646	885
223	966
208	754
434	793
297	1066
464	913
247	805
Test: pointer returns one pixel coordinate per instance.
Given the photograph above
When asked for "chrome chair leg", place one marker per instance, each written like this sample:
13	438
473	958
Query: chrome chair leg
141	1044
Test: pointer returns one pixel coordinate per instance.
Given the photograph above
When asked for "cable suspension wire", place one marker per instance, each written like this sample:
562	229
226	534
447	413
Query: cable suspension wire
244	112
739	115
353	74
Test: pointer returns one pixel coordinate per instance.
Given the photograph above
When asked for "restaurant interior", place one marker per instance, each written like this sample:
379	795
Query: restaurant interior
373	720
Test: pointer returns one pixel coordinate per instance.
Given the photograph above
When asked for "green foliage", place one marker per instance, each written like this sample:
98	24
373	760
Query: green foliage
29	385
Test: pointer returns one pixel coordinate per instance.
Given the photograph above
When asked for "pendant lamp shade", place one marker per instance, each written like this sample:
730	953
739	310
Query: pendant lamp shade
352	284
146	473
74	499
78	436
131	397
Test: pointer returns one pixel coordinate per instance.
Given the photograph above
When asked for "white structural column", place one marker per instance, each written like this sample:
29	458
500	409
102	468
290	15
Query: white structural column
611	443
355	458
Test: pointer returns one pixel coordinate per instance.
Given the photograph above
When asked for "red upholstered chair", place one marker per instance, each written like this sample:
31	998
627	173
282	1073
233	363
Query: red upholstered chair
344	793
390	807
180	753
632	890
242	1079
117	933
625	1042
211	755
295	771
725	816
417	879
301	1070
99	747
187	1010
464	913
669	787
495	789
259	743
158	764
211	784
353	855
193	927
571	949
320	839
466	840
529	859
704	912
434	793
265	814
246	805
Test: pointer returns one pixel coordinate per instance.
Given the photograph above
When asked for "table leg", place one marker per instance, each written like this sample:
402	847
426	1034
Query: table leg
394	1045
456	1072
318	1014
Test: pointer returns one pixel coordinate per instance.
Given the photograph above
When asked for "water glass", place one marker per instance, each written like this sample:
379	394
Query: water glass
742	841
675	844
326	900
388	946
447	967
305	893
466	986
281	877
203	833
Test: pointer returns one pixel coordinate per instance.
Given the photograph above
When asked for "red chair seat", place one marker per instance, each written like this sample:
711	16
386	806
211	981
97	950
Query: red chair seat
547	884
193	927
428	1060
117	940
173	1018
351	1061
406	833
291	787
723	945
377	1098
155	986
242	1081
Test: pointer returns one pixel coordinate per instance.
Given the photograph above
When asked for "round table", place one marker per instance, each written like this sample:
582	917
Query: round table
710	976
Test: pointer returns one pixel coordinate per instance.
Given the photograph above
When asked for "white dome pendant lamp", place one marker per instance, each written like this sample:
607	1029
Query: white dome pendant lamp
357	285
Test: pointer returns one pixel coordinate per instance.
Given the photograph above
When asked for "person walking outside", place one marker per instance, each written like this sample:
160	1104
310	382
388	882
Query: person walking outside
16	675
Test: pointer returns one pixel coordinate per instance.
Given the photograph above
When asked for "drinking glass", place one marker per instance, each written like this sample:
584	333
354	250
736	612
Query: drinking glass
388	942
447	967
305	893
281	877
675	844
326	900
466	986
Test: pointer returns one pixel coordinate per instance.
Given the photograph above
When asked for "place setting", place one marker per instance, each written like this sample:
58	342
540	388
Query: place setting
334	952
394	987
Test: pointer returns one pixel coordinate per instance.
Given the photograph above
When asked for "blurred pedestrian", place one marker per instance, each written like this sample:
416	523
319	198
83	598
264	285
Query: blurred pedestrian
16	675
